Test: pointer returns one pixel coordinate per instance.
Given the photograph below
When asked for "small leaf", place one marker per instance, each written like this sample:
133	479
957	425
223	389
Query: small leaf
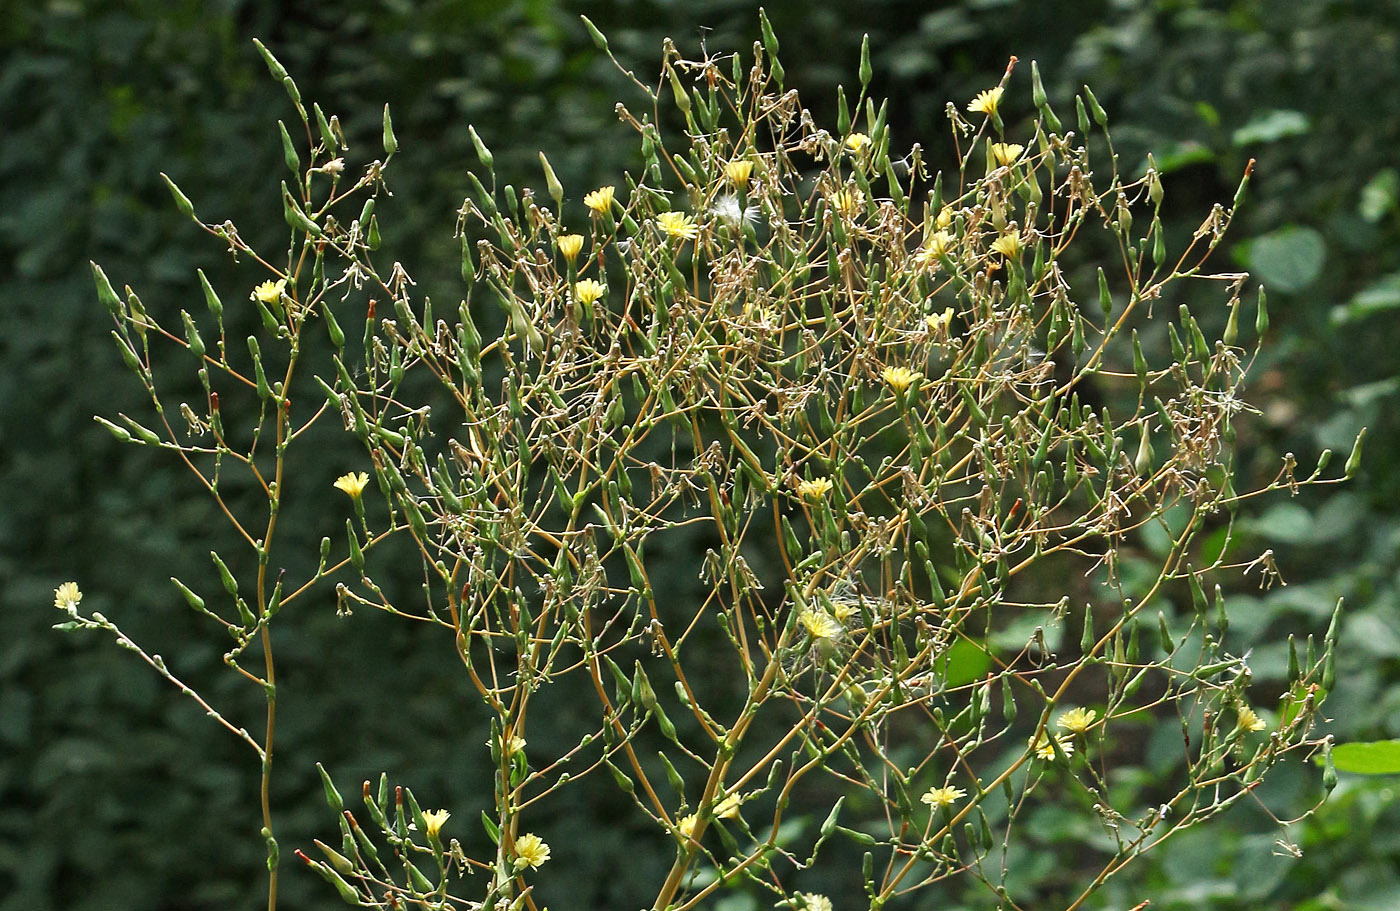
1288	259
1272	126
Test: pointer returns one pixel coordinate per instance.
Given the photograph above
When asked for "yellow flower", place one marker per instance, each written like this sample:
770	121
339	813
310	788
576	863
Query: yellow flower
269	292
936	247
811	901
530	851
848	201
814	490
900	378
986	102
819	624
843	610
586	291
945	218
1006	153
857	142
728	808
938	323
686	825
943	797
67	596
433	821
678	224
1008	245
1044	749
1077	721
1249	720
738	172
353	484
570	245
600	200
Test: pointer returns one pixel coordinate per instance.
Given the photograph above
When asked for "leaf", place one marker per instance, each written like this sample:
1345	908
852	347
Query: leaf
1381	295
1288	259
1378	757
1272	126
967	662
1287	523
1380	196
1180	155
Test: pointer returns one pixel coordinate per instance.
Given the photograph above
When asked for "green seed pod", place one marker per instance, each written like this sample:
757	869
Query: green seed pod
357	556
391	144
1099	116
1261	322
194	600
327	134
211	299
1105	298
182	202
556	190
865	69
225	576
196	344
599	39
289	151
1354	460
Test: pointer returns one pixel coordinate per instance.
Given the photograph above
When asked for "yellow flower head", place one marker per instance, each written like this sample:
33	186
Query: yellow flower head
843	610
819	625
728	808
900	378
600	200
353	484
857	142
67	596
986	102
269	292
570	245
1249	720
586	291
936	247
1077	721
433	821
530	851
1008	245
943	797
738	172
945	218
814	490
686	825
1006	153
1044	749
678	224
939	323
848	201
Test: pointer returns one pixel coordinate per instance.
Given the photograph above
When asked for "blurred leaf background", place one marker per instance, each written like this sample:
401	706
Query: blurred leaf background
115	793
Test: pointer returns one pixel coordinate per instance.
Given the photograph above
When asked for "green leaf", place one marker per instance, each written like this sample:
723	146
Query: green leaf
967	661
1380	196
1378	757
1272	126
1288	259
1381	295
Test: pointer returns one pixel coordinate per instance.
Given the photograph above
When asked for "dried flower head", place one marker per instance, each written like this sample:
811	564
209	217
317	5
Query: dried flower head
900	378
815	489
1077	721
943	797
600	200
1006	153
269	292
353	483
737	172
728	210
678	225
811	901
67	596
530	851
587	290
570	245
986	102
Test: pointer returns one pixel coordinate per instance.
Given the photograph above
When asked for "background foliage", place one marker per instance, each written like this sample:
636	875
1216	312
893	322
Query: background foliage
116	794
